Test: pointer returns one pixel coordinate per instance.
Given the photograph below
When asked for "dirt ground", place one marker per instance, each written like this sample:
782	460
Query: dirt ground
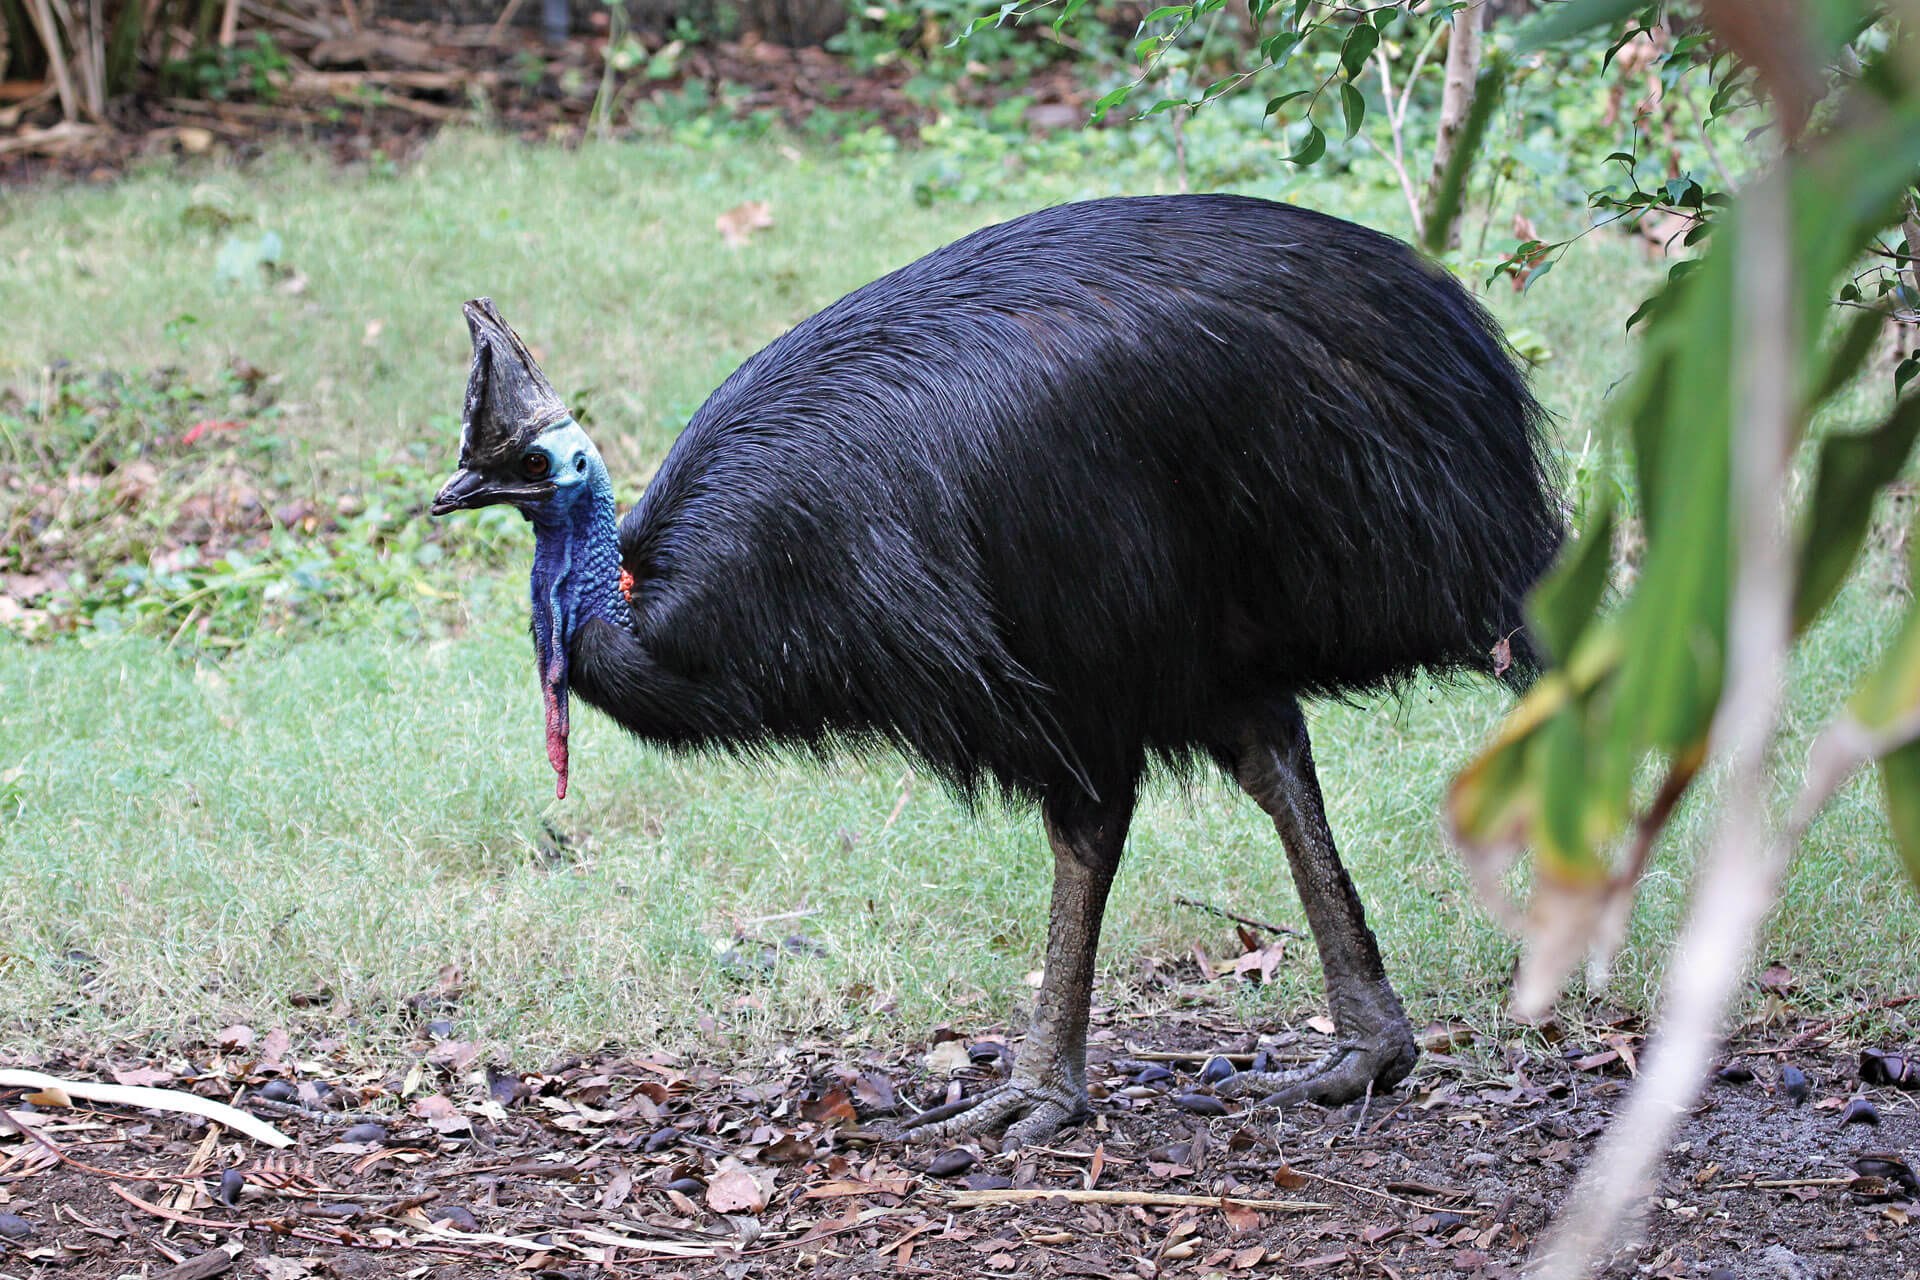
652	1166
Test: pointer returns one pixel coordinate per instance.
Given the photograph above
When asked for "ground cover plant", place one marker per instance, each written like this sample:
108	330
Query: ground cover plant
292	783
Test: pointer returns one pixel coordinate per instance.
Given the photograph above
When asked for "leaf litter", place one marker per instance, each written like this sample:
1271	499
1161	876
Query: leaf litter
655	1165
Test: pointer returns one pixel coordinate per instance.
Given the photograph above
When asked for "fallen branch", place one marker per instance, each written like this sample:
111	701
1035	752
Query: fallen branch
977	1199
1781	1184
1801	1039
123	1095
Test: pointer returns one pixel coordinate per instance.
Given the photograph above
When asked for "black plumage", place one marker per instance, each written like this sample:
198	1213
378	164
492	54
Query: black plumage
1077	490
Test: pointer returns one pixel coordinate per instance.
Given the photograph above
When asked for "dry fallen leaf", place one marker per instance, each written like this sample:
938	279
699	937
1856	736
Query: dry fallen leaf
736	1189
946	1058
737	225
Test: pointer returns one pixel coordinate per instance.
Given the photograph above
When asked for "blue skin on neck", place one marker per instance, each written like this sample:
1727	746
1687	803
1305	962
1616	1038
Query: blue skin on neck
576	567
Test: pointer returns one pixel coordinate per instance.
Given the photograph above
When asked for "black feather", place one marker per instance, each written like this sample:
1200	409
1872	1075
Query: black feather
1081	491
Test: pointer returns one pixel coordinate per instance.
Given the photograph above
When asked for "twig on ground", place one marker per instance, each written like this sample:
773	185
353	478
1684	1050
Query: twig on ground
142	1096
1371	1191
1021	1195
1237	918
59	1154
1801	1039
1780	1184
316	1113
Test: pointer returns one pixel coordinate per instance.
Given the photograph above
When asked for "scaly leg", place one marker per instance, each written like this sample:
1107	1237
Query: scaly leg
1048	1087
1375	1048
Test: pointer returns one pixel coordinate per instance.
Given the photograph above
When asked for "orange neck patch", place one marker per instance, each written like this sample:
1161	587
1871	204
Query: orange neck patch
626	584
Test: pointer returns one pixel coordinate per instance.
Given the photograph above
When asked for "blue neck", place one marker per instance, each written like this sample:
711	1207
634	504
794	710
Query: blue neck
576	566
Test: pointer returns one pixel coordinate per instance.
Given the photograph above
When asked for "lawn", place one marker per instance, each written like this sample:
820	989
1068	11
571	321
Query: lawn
318	825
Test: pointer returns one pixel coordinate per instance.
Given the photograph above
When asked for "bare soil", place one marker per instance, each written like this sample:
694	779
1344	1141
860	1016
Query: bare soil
653	1166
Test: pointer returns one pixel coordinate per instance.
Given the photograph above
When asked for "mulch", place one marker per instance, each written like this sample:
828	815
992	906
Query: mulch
654	1165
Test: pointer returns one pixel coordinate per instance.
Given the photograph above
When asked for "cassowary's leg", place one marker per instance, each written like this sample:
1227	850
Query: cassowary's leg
1375	1048
1049	1084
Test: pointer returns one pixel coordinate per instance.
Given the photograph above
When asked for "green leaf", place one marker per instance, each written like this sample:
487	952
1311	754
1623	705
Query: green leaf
1357	48
1310	150
1571	19
1904	373
1066	14
1453	183
1852	469
1900	784
1353	107
1567	599
1184	11
1110	99
1274	104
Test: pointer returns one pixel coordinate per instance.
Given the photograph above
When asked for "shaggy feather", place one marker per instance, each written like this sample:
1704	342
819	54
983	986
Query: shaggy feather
1080	491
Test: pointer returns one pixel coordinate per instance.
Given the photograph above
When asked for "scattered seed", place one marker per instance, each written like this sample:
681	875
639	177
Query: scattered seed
1890	1167
277	1091
1734	1073
660	1139
1880	1067
459	1217
950	1164
1200	1104
985	1051
1859	1111
340	1211
365	1133
14	1227
1153	1075
688	1186
440	1028
1216	1069
1262	1062
231	1183
1793	1083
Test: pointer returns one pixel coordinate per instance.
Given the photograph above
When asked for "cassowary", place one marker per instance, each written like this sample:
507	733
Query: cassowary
1111	485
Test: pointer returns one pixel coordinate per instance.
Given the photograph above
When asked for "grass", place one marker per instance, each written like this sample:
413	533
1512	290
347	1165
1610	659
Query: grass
190	842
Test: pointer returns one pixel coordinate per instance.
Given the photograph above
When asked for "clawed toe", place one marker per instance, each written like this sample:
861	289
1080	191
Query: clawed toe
1028	1114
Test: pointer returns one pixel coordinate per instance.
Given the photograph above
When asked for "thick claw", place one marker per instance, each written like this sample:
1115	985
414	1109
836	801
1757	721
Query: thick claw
1349	1070
1027	1113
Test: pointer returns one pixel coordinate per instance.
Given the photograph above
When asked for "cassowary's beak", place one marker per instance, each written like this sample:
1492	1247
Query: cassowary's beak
466	489
470	489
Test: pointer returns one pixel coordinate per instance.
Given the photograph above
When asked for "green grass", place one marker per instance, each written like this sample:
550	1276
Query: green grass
189	842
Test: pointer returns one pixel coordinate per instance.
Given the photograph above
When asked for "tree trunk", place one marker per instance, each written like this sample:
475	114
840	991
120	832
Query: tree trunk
1456	102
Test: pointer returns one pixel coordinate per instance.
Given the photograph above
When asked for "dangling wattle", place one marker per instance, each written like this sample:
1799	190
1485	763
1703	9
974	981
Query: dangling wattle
576	577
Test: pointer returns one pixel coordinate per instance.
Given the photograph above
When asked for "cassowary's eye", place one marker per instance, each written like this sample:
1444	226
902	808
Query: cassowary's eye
535	465
579	462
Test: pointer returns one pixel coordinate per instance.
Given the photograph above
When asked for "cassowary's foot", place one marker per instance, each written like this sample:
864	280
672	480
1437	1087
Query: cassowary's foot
1375	1051
1028	1112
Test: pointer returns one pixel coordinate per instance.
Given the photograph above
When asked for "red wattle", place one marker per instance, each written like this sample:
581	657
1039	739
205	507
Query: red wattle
557	733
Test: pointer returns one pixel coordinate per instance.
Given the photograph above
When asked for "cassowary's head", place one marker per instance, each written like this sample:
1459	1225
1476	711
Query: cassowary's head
519	444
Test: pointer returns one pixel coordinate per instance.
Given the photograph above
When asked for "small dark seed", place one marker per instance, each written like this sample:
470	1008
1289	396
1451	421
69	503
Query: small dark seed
985	1051
1262	1062
459	1217
277	1091
1793	1083
1446	1220
1723	1273
1216	1069
1175	1153
14	1227
365	1133
230	1184
440	1028
507	1090
687	1186
341	1211
988	1182
950	1164
1153	1075
1200	1104
1859	1111
1734	1073
661	1139
1878	1067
